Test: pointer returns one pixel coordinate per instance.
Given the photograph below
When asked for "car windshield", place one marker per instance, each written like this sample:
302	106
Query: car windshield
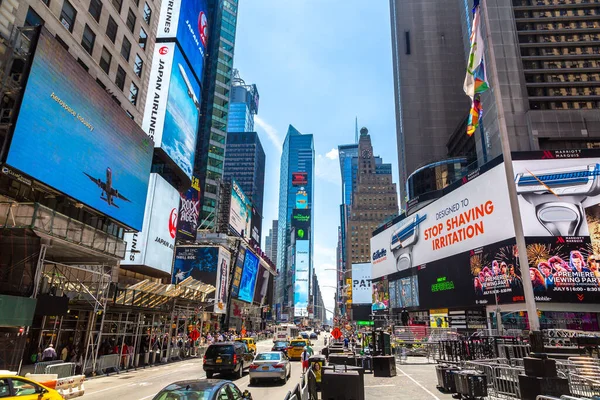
183	394
215	351
298	344
268	357
280	344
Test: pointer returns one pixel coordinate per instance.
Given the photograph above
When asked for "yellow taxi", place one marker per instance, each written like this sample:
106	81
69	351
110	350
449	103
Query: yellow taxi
250	342
13	387
296	348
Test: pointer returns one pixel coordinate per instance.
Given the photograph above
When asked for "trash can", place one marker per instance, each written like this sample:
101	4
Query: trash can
470	384
316	363
341	383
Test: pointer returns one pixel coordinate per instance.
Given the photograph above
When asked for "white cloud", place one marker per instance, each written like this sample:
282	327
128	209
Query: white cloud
333	154
328	169
271	132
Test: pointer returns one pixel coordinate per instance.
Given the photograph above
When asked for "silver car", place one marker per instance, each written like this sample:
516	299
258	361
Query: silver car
270	365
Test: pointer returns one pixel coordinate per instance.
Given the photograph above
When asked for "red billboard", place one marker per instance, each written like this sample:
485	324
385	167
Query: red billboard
299	178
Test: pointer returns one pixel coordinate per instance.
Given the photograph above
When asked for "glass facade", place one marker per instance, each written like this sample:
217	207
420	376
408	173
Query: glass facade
245	162
243	106
298	155
347	152
435	176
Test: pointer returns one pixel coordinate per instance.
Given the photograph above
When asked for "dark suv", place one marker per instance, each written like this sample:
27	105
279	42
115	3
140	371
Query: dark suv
230	358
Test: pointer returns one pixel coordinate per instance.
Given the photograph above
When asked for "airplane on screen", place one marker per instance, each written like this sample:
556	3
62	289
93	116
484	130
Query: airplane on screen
108	192
190	89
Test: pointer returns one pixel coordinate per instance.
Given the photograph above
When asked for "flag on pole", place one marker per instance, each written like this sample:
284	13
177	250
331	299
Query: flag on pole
475	79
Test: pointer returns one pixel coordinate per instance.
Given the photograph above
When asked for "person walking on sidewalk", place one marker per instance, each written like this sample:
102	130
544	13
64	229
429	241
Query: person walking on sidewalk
49	353
304	358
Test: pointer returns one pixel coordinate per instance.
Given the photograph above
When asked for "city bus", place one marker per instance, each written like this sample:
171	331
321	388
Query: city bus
285	332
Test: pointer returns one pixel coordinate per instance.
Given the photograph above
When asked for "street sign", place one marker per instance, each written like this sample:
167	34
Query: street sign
336	333
365	323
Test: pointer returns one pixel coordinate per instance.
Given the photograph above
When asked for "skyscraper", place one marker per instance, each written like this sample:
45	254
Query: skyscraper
243	105
429	67
271	242
245	162
218	71
295	223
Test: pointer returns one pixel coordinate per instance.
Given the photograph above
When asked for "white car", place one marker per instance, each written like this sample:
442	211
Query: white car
270	365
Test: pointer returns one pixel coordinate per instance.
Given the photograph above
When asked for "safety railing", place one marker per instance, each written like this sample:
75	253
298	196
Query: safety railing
40	368
302	390
108	362
63	370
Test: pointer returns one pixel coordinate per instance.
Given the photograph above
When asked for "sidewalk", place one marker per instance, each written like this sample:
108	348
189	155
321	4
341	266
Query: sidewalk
415	380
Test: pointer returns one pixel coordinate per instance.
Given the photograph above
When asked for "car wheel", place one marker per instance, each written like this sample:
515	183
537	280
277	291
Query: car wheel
252	382
285	379
289	375
209	375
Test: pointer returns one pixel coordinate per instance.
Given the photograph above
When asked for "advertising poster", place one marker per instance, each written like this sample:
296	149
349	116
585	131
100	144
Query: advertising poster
153	246
301	278
563	269
438	318
381	296
256	223
186	21
262	284
301	199
237	272
240	213
299	178
408	292
200	263
189	211
348	290
361	283
222	285
471	216
248	280
84	145
172	106
301	221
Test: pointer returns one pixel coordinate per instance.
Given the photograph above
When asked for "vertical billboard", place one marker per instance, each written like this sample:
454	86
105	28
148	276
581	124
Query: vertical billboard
262	284
153	246
301	199
361	283
240	211
301	222
237	271
189	212
256	223
380	296
186	21
172	110
301	278
205	264
299	178
248	280
71	136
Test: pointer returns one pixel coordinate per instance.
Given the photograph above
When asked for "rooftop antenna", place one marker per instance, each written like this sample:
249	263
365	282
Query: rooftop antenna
356	129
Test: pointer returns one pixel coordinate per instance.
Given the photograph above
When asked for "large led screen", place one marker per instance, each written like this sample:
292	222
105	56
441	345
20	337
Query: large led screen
237	271
262	284
248	280
361	283
187	22
301	278
240	212
173	106
72	136
189	212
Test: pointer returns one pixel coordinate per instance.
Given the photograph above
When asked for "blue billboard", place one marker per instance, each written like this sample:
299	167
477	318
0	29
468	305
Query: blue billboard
301	278
186	21
71	136
248	281
198	262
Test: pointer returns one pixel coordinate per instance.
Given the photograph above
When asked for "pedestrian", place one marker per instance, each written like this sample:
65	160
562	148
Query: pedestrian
49	353
346	342
64	353
304	358
404	317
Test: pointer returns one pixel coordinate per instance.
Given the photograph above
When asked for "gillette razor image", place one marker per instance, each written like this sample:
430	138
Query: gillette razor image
403	239
558	194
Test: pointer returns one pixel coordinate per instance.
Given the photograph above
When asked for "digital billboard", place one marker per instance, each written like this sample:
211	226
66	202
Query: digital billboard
71	135
380	300
262	284
237	272
249	276
172	110
299	178
240	211
256	224
205	264
301	278
361	283
153	246
186	21
189	212
301	199
301	221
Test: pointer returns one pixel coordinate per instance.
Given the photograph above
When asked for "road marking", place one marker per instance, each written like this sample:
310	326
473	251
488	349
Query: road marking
378	386
418	384
135	384
147	397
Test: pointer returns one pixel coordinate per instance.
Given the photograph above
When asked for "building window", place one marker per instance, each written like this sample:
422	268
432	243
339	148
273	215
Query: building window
130	115
95	9
80	62
46	2
99	82
120	78
62	42
126	48
143	38
117	4
105	60
131	20
133	94
139	65
33	18
147	13
111	29
88	39
68	15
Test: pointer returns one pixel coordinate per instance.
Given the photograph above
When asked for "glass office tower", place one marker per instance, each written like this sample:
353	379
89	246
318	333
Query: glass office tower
296	183
243	105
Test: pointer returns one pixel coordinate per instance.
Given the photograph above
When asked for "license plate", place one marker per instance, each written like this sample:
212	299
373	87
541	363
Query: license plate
218	361
265	368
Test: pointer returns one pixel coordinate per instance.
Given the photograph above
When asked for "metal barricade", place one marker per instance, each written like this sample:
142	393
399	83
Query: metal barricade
513	351
110	361
540	397
505	382
41	366
63	370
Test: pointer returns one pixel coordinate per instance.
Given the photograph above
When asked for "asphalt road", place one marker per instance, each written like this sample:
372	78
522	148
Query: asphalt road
143	384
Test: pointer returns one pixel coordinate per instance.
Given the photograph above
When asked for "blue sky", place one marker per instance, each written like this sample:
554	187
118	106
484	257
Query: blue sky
318	64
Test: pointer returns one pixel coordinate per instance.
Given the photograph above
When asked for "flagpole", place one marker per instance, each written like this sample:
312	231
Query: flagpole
530	305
